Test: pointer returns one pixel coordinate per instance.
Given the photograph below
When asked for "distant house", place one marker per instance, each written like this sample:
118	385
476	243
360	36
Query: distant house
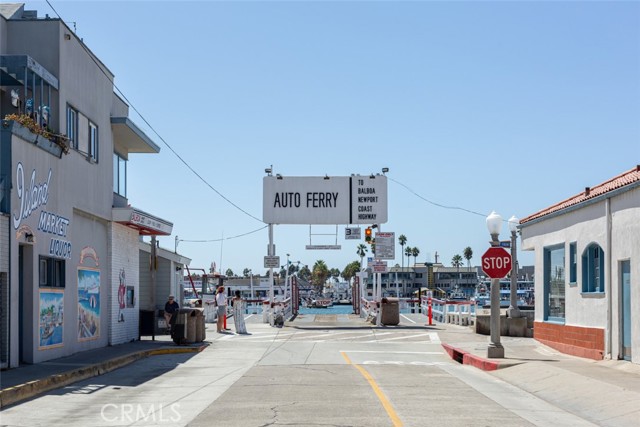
587	272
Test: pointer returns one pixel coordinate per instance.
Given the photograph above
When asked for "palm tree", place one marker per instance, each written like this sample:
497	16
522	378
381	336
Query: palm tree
415	252
468	254
456	261
229	272
403	241
350	270
319	275
408	251
246	272
361	250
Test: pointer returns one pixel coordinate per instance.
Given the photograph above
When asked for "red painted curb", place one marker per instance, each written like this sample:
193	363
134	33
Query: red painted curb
466	358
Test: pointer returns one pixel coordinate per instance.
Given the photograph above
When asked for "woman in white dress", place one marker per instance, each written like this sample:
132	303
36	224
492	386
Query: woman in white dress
238	314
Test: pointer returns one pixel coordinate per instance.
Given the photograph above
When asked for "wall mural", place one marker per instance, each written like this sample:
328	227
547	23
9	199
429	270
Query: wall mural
122	289
51	318
88	304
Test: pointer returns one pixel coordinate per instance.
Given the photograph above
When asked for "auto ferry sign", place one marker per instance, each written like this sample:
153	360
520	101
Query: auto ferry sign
325	200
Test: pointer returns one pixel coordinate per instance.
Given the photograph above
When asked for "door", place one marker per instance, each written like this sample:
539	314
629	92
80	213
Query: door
21	298
625	279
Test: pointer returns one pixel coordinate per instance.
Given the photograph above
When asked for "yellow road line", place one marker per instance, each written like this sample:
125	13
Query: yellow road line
383	399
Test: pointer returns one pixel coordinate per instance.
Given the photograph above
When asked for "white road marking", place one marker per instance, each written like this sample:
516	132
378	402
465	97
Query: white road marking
403	337
391	352
433	336
407	318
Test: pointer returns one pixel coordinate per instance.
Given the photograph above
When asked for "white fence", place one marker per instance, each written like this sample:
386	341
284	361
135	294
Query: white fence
461	313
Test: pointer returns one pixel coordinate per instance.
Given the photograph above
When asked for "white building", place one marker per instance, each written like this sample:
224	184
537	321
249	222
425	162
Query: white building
587	272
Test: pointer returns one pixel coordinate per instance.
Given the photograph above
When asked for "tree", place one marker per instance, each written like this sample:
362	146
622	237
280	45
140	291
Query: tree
229	273
319	275
468	254
335	274
403	241
246	272
415	252
456	261
350	270
304	273
361	251
408	251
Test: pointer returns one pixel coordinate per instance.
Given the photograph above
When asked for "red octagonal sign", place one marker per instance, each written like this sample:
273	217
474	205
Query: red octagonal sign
496	262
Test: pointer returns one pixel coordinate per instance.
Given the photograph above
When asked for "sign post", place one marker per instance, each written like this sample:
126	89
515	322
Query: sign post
496	263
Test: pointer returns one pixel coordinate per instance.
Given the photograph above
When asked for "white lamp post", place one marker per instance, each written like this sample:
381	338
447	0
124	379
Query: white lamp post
495	350
514	311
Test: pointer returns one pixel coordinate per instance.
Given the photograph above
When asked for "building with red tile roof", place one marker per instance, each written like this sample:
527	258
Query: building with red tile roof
587	270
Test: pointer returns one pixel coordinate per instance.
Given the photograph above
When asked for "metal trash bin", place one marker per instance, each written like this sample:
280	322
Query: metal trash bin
390	311
191	325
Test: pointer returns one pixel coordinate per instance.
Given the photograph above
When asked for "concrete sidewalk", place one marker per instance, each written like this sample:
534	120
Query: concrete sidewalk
607	392
27	381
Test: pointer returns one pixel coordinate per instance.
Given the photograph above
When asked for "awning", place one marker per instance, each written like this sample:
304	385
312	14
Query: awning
146	224
131	138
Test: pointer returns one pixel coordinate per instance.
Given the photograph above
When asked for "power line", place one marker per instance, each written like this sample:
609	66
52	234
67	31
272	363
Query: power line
223	238
156	132
437	204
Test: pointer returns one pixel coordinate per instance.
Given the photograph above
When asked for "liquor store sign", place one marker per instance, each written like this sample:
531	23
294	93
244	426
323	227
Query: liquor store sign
325	200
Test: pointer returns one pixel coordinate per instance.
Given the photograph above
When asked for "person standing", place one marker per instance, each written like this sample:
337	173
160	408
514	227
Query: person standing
221	304
238	314
169	309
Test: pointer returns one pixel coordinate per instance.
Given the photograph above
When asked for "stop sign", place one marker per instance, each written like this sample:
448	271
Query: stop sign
496	262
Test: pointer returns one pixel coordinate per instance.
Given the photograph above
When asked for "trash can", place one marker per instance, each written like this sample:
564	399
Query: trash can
179	326
191	325
390	311
200	325
147	323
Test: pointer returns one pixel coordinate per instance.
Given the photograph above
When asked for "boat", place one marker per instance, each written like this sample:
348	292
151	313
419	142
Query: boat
457	295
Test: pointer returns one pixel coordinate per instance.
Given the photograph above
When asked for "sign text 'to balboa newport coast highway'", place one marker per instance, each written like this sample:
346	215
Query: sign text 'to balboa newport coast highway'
353	199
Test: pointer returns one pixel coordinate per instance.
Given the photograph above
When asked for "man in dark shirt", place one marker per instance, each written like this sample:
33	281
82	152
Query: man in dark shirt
169	308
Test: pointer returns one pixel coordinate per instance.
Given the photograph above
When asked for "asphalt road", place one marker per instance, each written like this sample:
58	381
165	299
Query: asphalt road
322	371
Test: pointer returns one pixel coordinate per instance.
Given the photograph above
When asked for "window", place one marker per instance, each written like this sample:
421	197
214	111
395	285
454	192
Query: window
93	142
119	175
593	269
573	262
52	272
554	286
72	126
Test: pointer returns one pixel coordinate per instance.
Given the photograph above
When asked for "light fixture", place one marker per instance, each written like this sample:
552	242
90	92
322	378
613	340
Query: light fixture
385	170
372	176
494	223
28	237
326	177
268	171
278	176
513	223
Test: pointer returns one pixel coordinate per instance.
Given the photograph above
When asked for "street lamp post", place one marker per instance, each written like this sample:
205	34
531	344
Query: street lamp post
513	310
495	350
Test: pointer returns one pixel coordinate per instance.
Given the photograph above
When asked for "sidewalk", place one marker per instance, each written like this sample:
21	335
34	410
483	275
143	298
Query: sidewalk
28	381
606	392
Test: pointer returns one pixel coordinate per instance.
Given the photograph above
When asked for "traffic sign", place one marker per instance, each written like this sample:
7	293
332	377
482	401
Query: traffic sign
496	262
352	233
385	245
271	261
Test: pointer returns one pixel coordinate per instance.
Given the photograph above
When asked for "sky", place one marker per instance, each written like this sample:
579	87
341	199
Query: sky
473	106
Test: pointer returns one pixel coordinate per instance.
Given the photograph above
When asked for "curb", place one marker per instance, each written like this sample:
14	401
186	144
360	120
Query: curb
21	392
466	358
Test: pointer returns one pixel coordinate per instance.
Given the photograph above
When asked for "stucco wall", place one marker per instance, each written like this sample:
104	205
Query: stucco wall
585	226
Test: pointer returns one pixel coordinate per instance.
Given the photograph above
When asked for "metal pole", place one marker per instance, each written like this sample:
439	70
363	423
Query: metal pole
271	253
495	350
514	311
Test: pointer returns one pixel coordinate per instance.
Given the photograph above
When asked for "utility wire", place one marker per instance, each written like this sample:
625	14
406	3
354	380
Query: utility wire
223	238
155	132
434	203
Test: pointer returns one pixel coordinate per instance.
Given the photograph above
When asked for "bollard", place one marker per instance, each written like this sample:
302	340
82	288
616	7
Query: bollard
429	312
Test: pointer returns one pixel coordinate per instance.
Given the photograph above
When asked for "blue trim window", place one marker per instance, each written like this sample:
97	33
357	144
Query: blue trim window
593	269
573	263
554	285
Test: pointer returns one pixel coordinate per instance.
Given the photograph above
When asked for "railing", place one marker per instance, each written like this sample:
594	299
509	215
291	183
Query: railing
461	313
